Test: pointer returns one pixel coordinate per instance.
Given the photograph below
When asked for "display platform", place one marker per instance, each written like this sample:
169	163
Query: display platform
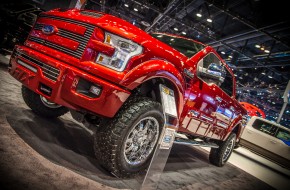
65	143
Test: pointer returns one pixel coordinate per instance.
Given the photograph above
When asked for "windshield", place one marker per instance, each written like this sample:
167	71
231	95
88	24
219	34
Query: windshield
184	46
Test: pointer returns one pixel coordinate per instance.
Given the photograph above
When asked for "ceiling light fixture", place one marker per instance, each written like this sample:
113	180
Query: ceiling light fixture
198	15
263	73
184	33
266	51
176	29
270	76
262	48
126	5
223	52
230	56
257	46
209	20
135	9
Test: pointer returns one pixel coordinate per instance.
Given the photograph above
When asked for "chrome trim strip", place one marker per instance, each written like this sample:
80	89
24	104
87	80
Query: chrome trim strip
207	118
222	125
26	66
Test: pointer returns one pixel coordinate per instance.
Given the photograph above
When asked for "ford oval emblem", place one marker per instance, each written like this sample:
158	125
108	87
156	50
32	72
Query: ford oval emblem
48	29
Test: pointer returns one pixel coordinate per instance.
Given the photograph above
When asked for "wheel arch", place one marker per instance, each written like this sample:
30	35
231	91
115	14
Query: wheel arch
237	129
146	78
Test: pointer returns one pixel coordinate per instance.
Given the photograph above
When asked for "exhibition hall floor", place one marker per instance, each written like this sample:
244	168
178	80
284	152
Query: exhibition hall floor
37	153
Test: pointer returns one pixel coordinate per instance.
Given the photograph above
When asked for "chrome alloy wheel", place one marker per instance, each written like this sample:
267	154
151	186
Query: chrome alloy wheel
48	103
228	150
141	141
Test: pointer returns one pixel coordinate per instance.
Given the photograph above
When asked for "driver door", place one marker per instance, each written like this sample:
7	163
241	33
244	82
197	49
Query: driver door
204	98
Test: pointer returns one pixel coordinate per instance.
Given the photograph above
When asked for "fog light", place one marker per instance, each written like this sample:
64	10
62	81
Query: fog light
95	90
88	88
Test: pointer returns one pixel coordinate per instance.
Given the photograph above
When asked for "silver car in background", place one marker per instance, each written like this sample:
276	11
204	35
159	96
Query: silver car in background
268	139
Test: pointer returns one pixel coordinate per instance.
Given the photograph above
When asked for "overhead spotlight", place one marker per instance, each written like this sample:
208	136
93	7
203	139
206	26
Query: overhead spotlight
255	68
198	15
257	46
135	9
266	51
230	56
263	73
184	33
262	48
209	20
176	29
270	76
223	52
126	5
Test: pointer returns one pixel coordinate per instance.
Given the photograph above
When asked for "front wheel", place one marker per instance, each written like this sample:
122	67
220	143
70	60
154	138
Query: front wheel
219	156
40	105
125	144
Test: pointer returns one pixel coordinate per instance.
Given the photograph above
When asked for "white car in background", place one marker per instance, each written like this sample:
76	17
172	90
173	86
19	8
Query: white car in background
268	139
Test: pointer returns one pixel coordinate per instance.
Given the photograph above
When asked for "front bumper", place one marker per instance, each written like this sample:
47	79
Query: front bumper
40	72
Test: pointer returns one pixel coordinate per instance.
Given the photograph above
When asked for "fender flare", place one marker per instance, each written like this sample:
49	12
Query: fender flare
156	69
236	123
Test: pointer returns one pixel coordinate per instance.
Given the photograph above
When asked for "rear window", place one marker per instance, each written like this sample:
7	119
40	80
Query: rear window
265	127
283	135
185	46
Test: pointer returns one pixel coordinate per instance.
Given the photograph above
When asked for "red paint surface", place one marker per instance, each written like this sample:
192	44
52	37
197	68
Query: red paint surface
253	110
157	60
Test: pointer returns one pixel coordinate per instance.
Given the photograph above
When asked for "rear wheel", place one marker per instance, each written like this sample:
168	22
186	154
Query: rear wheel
40	105
125	144
219	156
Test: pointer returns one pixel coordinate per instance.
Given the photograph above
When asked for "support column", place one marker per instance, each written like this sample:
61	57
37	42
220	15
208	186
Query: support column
78	4
286	98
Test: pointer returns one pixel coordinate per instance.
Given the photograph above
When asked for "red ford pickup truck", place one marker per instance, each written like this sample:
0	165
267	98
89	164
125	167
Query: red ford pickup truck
107	72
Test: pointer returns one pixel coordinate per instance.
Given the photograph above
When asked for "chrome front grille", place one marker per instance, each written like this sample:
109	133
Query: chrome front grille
48	71
81	39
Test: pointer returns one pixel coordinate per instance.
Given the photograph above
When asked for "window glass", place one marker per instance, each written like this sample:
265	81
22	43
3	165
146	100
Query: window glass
185	46
283	134
227	85
265	127
211	70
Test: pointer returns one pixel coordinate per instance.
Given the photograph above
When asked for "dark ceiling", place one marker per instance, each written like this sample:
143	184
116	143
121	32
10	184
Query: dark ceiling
236	29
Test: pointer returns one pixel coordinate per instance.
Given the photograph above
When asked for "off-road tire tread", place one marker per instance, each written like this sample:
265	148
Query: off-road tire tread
216	154
33	101
109	134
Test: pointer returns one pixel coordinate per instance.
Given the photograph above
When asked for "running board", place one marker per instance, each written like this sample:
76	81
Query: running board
183	141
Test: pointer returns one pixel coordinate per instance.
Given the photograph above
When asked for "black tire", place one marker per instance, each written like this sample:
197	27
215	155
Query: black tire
112	135
219	156
33	100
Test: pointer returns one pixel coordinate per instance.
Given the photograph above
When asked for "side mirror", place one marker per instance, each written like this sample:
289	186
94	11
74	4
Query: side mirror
214	71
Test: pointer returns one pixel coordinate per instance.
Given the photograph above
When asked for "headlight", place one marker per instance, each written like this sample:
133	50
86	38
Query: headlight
124	50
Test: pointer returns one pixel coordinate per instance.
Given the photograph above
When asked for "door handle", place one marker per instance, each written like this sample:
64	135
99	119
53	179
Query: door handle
219	99
272	141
